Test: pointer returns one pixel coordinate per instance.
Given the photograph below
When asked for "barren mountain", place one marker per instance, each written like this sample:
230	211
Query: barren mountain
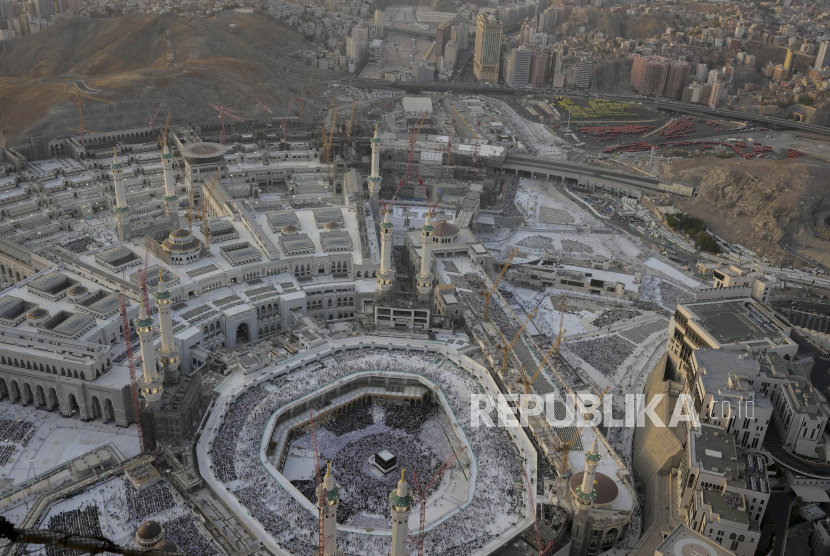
124	60
766	205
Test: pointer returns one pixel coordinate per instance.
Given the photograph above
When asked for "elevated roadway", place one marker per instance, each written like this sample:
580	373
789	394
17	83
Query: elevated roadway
575	171
659	104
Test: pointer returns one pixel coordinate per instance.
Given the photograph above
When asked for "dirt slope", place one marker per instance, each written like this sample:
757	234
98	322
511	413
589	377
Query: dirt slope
766	205
125	59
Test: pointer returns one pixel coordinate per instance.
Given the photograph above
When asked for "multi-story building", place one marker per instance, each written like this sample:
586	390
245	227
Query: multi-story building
487	54
657	76
517	67
718	90
823	56
789	62
442	37
740	324
539	68
583	72
722	491
460	34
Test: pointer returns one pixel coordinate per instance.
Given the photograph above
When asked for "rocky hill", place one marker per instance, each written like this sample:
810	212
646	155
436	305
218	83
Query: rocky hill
766	205
124	60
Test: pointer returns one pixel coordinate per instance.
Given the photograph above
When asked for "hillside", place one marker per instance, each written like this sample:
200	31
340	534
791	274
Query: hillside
124	60
766	205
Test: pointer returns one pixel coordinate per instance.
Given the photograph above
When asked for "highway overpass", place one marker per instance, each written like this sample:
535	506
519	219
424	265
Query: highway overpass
600	176
660	104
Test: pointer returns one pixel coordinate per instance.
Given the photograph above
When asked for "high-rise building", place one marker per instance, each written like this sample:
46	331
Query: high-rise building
558	55
378	24
823	56
487	52
583	71
539	68
702	73
715	95
789	62
461	35
676	80
517	67
648	75
442	37
526	34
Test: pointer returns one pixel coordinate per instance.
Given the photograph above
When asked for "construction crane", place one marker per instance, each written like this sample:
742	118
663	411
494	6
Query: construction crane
413	138
163	137
142	281
565	449
223	111
285	122
78	94
532	504
449	150
125	322
322	495
505	348
351	121
265	107
489	293
423	490
207	190
328	145
561	333
528	381
154	116
302	98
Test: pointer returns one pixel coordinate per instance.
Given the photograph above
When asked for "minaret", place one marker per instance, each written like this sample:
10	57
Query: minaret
585	494
150	382
122	211
168	352
375	179
401	499
329	507
386	276
171	200
425	278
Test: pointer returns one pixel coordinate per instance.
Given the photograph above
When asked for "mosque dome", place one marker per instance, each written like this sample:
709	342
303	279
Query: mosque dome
149	534
166	546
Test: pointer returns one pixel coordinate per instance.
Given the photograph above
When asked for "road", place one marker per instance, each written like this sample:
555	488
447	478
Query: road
575	170
778	518
659	104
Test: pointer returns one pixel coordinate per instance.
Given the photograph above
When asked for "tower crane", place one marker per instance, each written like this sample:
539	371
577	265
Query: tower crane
328	145
321	540
351	121
565	449
128	344
542	549
285	122
489	293
163	137
302	98
423	490
265	107
449	149
203	212
561	334
153	117
224	111
78	94
505	348
528	381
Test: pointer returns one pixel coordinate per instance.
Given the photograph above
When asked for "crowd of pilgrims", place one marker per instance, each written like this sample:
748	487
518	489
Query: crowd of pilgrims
412	433
235	455
83	521
152	500
605	353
